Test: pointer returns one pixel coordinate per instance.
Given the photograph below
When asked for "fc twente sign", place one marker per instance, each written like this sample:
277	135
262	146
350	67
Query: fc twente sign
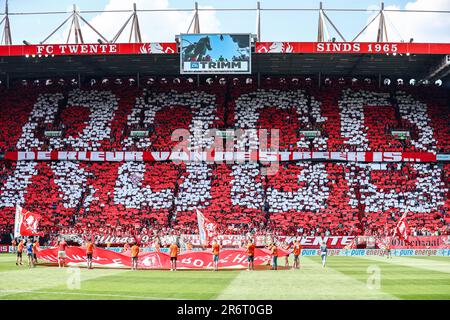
43	50
88	49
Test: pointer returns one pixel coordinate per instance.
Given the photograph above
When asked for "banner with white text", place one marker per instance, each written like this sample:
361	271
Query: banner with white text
48	50
216	157
230	259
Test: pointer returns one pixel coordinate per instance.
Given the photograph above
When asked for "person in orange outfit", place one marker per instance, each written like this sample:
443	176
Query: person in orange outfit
134	256
287	247
251	255
274	250
297	251
215	252
89	253
19	252
388	251
62	245
14	245
157	245
173	250
35	251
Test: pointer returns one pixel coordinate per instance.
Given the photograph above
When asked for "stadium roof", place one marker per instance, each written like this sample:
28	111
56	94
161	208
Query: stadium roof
399	60
412	66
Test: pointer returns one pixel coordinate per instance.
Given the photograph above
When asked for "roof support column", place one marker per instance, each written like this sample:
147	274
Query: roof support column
75	27
382	31
321	25
195	21
135	28
258	21
322	31
381	15
6	36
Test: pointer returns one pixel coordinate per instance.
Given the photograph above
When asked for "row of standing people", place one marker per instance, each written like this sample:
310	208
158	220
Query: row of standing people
30	247
295	249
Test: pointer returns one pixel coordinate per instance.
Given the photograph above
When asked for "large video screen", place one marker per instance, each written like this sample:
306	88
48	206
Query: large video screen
215	53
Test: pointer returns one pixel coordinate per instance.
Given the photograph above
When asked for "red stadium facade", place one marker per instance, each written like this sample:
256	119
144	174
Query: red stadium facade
260	47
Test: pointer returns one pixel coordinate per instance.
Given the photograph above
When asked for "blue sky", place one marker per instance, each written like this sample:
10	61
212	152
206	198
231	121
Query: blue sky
276	26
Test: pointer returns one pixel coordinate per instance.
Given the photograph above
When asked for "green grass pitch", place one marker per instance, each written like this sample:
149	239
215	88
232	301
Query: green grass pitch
343	278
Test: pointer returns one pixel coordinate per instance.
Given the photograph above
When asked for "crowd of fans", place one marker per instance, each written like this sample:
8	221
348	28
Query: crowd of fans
304	198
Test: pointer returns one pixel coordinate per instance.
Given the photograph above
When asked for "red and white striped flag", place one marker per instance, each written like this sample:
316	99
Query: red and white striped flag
206	229
402	229
26	223
352	244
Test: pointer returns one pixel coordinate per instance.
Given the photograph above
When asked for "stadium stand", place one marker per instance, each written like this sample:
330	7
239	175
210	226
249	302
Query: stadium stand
301	197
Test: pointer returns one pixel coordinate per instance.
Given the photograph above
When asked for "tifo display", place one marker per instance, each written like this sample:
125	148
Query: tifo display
109	182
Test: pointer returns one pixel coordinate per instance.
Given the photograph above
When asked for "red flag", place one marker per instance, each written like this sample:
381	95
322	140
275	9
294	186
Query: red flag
402	229
26	223
352	244
207	229
383	242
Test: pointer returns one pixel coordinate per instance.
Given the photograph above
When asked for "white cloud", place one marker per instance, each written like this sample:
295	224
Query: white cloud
422	27
155	26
